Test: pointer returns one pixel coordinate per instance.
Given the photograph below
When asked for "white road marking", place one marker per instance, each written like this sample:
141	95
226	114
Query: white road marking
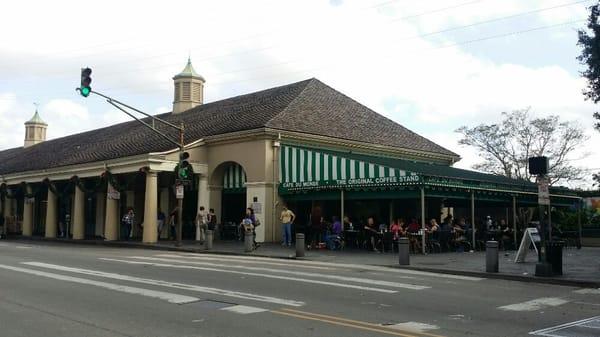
297	273
413	326
279	277
536	304
292	262
244	309
551	332
588	291
189	287
169	297
206	258
24	247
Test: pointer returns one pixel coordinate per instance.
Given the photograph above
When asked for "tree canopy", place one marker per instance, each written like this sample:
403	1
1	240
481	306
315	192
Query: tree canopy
505	147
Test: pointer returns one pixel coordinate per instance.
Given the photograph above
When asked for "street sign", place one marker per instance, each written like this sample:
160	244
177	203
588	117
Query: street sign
543	191
179	191
184	182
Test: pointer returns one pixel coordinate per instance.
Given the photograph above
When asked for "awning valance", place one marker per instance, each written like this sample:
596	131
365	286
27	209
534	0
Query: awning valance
309	169
234	177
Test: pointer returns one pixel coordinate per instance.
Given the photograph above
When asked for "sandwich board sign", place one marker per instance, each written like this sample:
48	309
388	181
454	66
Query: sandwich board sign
530	236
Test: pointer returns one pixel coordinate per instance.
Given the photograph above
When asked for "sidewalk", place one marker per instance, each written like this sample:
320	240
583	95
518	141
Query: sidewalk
580	267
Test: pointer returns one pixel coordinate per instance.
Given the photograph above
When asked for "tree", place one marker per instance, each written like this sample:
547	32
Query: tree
505	147
590	57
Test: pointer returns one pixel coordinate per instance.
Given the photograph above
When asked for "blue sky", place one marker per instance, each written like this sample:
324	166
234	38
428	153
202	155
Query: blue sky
385	54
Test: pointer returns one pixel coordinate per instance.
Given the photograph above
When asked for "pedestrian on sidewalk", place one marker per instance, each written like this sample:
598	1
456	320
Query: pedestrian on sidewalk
249	224
127	223
287	218
212	219
172	222
160	221
201	223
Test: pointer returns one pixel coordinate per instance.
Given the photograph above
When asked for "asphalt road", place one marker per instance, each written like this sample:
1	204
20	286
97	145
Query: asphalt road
71	290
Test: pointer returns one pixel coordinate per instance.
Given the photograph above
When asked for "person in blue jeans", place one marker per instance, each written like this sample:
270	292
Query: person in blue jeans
334	239
287	217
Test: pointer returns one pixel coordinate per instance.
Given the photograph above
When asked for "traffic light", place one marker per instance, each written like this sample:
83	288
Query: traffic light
184	166
86	80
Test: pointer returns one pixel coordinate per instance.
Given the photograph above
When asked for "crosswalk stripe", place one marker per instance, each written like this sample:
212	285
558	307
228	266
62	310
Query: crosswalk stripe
535	304
262	262
189	287
293	262
292	272
169	297
588	291
280	277
243	309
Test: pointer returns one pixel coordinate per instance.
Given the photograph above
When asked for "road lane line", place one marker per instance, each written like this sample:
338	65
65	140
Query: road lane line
335	264
298	273
547	331
189	287
588	291
169	297
243	309
535	304
336	318
279	277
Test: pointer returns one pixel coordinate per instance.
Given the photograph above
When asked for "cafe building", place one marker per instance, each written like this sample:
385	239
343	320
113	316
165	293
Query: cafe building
303	145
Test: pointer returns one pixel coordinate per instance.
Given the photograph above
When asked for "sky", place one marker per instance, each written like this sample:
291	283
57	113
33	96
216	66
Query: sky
431	66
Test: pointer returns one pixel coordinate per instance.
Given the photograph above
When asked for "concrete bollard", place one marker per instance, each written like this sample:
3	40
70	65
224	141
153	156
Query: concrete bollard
209	239
491	256
299	245
403	251
248	242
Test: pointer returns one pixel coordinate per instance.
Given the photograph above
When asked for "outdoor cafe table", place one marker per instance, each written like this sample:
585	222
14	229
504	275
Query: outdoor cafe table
351	235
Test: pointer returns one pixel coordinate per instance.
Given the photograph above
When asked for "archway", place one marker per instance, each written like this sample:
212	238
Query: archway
228	196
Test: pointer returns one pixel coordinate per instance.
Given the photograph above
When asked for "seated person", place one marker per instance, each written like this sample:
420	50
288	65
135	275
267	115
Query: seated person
415	241
447	223
397	229
432	227
347	223
413	227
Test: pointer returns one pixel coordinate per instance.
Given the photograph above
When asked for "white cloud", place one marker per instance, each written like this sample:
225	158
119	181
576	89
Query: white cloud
357	47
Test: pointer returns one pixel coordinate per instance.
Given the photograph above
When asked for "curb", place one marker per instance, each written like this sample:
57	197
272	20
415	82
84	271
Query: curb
138	245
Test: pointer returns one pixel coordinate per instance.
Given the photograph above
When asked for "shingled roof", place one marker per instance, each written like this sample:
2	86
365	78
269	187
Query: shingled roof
308	106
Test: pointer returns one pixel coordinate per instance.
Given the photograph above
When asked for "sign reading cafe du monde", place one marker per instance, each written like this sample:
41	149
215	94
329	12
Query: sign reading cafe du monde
354	182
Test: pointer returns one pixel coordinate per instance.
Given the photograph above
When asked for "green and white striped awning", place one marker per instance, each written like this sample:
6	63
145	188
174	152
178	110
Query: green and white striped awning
307	169
234	178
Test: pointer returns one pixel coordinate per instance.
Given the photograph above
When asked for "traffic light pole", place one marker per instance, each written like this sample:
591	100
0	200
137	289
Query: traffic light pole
180	144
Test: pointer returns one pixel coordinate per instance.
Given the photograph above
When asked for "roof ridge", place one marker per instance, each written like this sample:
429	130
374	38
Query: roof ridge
308	82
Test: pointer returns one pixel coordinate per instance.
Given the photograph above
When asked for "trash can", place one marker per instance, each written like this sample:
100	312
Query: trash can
554	255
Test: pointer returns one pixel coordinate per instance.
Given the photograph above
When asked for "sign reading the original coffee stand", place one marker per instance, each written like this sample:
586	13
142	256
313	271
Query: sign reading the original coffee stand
304	169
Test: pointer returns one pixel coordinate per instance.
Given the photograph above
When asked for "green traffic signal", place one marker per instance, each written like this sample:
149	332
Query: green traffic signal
85	91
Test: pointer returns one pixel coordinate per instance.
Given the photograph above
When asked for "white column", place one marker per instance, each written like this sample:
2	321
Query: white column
27	215
78	214
111	222
51	215
203	192
100	213
6	212
150	208
259	191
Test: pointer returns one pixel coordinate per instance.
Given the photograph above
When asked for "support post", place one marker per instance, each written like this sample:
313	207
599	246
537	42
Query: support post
299	245
491	256
579	222
78	214
100	214
51	215
473	227
342	207
423	219
149	234
514	207
403	252
179	220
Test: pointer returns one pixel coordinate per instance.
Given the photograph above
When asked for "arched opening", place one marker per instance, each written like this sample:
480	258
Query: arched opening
229	179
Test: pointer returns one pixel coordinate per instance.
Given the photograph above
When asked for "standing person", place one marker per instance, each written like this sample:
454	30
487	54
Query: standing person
371	233
127	223
316	223
172	223
201	223
212	219
160	221
249	224
287	217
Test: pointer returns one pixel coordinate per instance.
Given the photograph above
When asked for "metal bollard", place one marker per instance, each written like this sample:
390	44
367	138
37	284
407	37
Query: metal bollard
209	239
299	245
491	256
248	242
403	251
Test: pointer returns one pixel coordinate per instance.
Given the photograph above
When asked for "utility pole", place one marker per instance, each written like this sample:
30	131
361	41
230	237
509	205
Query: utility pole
183	166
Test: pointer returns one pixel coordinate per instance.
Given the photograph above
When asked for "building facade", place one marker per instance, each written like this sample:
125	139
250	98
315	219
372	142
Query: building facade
302	144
